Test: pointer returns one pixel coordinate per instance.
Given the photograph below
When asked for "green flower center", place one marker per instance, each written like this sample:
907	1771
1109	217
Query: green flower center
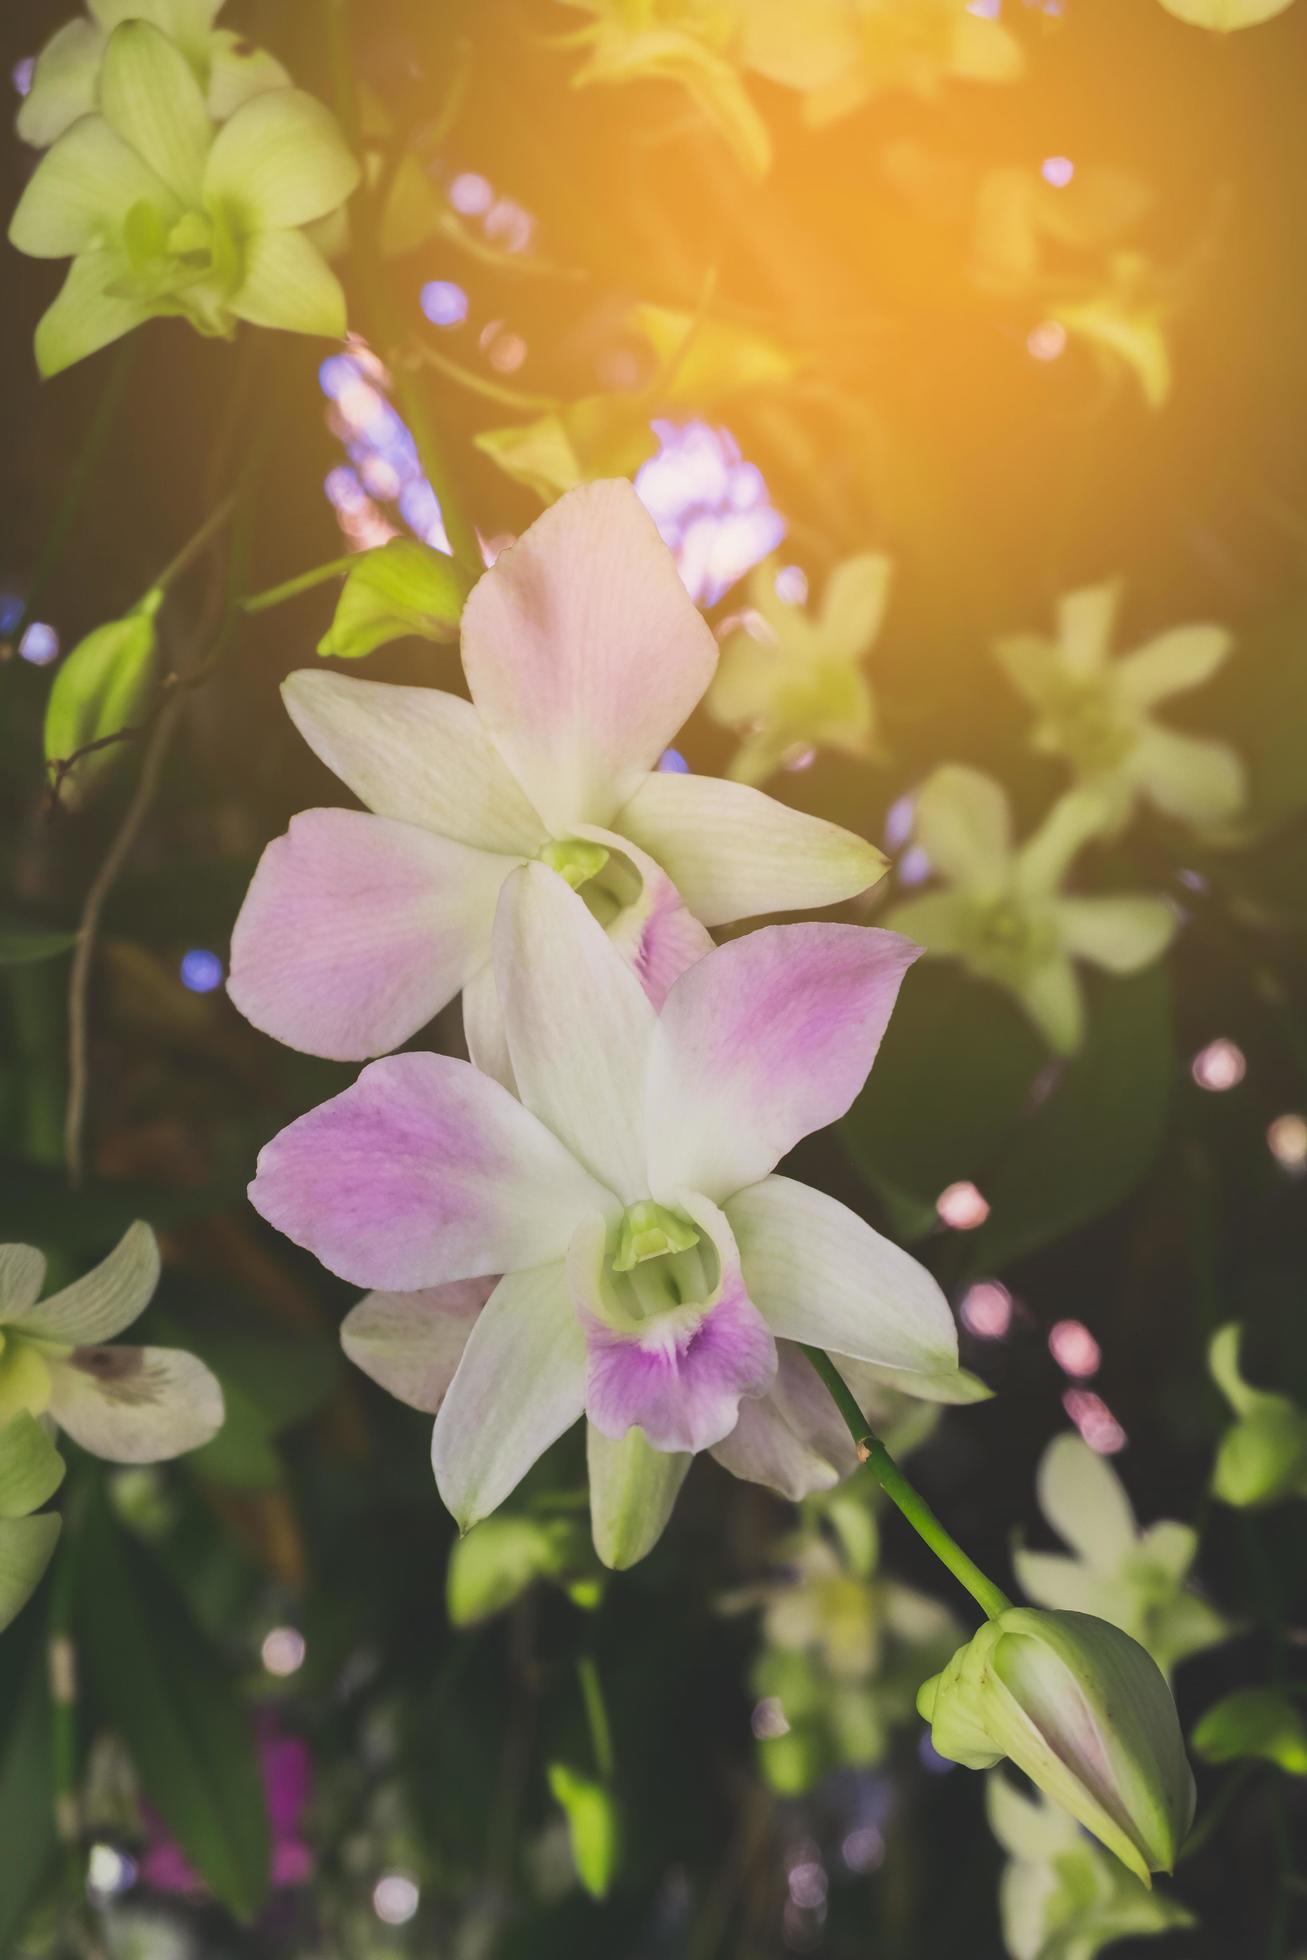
607	881
656	1263
1008	940
189	265
1089	727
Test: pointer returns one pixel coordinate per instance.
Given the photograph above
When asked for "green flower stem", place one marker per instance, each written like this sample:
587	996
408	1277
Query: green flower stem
277	595
896	1487
596	1714
195	545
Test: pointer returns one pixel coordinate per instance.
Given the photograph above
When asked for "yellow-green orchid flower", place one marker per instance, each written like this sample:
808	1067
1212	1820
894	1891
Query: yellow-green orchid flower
1134	1578
1226	15
1060	1897
843	53
1096	712
687	42
1004	914
162	213
1124	323
228	67
791	680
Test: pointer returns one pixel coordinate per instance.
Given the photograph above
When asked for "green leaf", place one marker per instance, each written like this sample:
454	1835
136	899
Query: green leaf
1256	1722
401	590
955	1071
495	1563
26	1780
1086	1147
593	1825
31	1468
160	1684
101	689
28	945
26	1548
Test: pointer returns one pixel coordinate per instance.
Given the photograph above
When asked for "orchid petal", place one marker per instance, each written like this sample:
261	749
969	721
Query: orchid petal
1173	662
148	94
1052	996
681	1377
237	71
579	1026
793	1439
1121	934
734	853
767	1039
820	1275
107	1299
63	83
1085	621
633	1488
414	754
963	824
84	315
279	162
1045	858
657	934
1196	781
584	653
288	284
411	1343
1085	1502
356	930
79	192
938	922
483	1028
22	1275
135	1405
519	1385
422	1172
854	602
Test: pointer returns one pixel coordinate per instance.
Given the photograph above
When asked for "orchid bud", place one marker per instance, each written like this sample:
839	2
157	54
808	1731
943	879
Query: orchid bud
1263	1455
1085	1712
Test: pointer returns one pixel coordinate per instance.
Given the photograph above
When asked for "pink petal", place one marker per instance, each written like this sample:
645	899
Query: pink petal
658	935
584	653
356	930
424	1171
411	1343
792	1439
764	1041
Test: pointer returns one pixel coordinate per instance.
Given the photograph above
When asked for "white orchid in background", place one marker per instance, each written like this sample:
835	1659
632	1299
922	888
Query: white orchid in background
791	680
162	213
583	654
1096	712
1135	1579
651	1260
1060	1897
228	67
128	1404
1005	916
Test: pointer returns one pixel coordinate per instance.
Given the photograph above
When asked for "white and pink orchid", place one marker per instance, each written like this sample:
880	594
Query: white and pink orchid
583	655
645	1260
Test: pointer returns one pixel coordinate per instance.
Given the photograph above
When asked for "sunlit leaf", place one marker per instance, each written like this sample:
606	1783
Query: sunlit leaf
101	690
593	1826
399	591
1259	1722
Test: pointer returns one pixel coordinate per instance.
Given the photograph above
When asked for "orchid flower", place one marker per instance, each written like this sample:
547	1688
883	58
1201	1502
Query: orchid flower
161	213
1135	1579
1005	915
650	1258
128	1404
791	680
1060	1897
583	653
843	53
1096	712
228	68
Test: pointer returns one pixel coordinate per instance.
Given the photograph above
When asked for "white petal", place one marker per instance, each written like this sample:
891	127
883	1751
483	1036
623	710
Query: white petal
63	83
633	1488
734	853
1085	620
288	284
520	1384
135	1405
1085	1502
415	754
963	825
1183	658
483	1028
110	1297
411	1343
149	95
80	192
585	653
1121	934
280	162
22	1275
793	1439
819	1274
579	1026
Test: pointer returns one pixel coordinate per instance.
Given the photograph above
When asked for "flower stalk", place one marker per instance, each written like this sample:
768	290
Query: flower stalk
901	1493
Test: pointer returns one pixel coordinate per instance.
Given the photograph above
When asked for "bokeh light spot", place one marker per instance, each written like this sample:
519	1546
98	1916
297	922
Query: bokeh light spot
962	1207
109	1873
672	763
39	644
1074	1348
283	1651
768	1720
1094	1420
712	508
1057	171
201	971
444	303
1219	1066
1286	1139
470	194
986	1310
395	1898
1047	341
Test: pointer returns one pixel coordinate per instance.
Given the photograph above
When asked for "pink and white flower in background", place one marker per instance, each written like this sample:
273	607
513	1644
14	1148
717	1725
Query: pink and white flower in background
647	1265
583	655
